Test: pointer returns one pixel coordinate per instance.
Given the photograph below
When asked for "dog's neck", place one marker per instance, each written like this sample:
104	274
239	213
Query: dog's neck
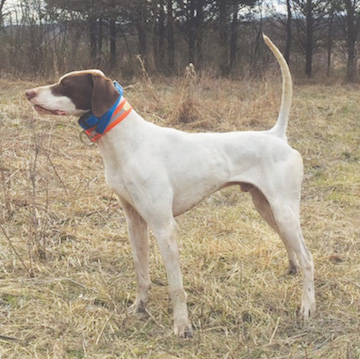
95	127
117	146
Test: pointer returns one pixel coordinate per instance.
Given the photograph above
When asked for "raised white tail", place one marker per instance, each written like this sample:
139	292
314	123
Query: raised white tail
281	124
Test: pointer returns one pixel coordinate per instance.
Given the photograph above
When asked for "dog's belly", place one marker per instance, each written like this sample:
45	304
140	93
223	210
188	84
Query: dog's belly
189	199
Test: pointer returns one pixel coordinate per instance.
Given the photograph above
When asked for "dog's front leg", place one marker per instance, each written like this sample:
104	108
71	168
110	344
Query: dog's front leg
138	234
166	237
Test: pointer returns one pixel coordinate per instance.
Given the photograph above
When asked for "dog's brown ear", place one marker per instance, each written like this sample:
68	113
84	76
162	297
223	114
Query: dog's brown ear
104	95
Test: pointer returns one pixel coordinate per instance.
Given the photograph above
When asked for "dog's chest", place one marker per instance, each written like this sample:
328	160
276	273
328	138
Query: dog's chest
115	181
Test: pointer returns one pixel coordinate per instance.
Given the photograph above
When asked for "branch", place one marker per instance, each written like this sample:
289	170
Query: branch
2	5
13	248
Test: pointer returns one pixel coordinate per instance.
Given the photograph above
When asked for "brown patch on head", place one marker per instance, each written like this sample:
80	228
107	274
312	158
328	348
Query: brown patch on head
78	87
87	90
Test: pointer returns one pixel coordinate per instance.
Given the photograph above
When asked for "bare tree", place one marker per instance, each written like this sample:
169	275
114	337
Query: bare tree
2	2
193	29
228	24
223	35
349	21
161	36
311	15
170	36
288	31
333	7
140	20
234	33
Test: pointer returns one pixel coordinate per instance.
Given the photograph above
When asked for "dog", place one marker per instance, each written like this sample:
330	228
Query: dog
160	173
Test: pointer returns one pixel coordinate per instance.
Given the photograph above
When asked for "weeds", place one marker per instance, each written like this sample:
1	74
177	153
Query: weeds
187	108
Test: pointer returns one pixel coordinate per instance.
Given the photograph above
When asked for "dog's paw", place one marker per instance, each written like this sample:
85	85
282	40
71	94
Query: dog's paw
139	307
307	310
292	269
183	330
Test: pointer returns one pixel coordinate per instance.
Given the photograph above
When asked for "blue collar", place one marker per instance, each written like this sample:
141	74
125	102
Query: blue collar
88	120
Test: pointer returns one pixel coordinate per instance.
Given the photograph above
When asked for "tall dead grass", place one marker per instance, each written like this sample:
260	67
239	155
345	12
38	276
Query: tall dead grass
67	276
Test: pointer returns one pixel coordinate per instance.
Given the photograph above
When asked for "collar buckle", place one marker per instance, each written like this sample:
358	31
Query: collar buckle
87	142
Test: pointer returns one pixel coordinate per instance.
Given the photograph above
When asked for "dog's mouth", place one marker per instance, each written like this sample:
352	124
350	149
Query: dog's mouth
45	111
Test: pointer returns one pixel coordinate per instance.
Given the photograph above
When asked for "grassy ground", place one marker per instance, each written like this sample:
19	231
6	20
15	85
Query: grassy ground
66	275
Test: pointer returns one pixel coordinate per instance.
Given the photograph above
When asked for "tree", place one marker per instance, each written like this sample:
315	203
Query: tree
333	7
199	25
193	28
170	36
141	22
233	36
223	35
311	15
2	3
228	24
161	36
350	24
288	31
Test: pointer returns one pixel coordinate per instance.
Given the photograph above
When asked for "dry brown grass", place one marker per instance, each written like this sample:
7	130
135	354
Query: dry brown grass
67	277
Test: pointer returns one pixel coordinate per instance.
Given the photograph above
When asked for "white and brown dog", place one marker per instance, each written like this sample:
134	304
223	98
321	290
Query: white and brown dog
160	173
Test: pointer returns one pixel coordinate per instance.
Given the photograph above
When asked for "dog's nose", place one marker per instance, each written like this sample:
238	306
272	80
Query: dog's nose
30	94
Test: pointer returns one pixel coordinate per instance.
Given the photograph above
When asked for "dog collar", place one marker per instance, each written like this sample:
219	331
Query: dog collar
95	127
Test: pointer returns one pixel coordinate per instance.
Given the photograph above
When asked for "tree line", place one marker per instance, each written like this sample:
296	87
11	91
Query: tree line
47	37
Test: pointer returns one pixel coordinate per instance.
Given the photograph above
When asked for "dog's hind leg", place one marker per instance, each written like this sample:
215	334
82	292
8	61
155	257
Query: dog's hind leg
138	234
262	206
277	198
287	221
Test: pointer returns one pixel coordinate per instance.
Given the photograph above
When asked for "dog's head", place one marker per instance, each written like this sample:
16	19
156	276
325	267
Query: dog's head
75	94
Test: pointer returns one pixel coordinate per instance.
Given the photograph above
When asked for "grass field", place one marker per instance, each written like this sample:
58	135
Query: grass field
66	272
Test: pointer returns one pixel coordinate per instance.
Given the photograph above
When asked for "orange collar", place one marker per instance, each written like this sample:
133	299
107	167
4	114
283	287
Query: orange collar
120	113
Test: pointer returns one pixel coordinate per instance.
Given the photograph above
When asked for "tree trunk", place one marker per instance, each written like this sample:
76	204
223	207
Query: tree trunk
142	40
223	37
100	36
309	46
127	45
288	32
112	43
191	31
329	41
351	68
233	38
170	36
92	38
161	37
155	35
2	2
199	20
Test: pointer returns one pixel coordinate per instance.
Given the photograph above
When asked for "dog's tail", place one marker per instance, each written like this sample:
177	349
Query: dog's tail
281	124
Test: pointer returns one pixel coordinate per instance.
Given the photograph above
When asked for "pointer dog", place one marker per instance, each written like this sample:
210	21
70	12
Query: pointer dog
160	173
